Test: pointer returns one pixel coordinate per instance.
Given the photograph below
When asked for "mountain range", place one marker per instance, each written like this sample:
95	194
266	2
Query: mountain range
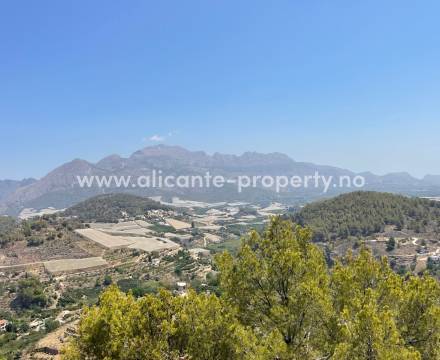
60	189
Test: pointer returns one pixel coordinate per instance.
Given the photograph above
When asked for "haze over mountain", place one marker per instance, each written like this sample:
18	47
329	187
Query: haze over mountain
9	186
60	189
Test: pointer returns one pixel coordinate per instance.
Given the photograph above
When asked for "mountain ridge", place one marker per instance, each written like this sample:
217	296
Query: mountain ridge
58	189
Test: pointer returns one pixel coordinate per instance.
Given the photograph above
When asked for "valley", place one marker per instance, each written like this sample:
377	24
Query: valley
73	258
66	259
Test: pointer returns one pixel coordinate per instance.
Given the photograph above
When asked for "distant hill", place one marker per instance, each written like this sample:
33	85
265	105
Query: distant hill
9	186
432	179
60	189
366	213
111	207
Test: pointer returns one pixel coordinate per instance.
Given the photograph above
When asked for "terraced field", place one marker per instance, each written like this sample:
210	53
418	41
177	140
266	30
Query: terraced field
177	224
126	235
71	265
105	239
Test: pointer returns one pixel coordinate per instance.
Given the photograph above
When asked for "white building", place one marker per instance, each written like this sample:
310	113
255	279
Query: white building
3	325
181	288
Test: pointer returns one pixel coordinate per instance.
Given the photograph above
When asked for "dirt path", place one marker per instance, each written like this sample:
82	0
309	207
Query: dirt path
21	265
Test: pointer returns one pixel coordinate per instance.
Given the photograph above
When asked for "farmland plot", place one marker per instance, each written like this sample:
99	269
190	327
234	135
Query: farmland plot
177	224
72	265
110	238
104	239
138	227
153	244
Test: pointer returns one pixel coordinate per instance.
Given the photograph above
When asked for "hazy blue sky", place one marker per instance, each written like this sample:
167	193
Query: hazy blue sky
354	84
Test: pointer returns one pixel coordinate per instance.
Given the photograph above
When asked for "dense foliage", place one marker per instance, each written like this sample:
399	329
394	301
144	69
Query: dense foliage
30	294
6	223
111	207
279	301
7	226
366	213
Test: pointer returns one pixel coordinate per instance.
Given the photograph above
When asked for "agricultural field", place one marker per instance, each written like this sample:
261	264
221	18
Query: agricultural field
126	235
74	259
138	227
106	240
150	244
177	224
72	265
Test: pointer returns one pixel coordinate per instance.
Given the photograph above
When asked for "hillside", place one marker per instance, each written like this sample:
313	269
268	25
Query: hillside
366	213
7	226
279	300
111	207
9	186
60	188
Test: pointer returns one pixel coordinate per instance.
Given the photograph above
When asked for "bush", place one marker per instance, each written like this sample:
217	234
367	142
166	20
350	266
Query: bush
51	325
34	241
391	244
107	280
30	293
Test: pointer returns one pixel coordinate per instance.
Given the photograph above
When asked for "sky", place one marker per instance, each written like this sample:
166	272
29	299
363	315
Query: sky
354	84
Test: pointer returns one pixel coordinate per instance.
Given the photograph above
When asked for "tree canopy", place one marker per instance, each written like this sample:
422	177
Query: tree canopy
30	293
111	207
365	213
7	230
279	301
